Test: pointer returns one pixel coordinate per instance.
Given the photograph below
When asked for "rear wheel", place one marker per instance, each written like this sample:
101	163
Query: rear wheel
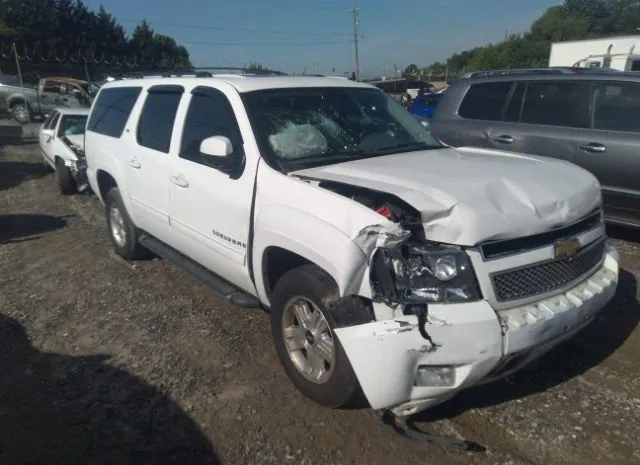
122	232
66	183
307	346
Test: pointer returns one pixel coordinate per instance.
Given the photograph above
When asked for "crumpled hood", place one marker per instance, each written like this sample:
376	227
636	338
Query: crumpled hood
77	140
469	195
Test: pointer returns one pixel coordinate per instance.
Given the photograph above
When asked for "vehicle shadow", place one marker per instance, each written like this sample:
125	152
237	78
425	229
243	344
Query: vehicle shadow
60	409
23	227
587	349
14	173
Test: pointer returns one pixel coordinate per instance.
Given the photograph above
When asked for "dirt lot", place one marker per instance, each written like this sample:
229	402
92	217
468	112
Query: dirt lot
106	362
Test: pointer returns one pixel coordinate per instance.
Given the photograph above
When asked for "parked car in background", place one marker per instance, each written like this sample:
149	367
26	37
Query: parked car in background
586	117
61	141
425	105
28	102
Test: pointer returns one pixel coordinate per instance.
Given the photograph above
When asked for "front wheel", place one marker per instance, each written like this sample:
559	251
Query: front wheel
66	182
21	113
307	346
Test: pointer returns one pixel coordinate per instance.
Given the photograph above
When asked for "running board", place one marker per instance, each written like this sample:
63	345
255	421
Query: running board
228	291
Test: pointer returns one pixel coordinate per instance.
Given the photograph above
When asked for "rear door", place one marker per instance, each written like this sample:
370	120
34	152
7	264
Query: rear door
479	111
610	147
542	118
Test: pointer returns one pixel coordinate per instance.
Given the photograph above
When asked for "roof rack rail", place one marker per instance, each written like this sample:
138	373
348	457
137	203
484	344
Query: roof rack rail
554	70
200	72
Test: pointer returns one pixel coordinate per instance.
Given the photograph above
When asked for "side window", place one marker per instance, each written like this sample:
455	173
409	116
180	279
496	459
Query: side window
158	115
617	107
512	113
485	101
54	121
52	87
47	124
556	103
210	114
112	109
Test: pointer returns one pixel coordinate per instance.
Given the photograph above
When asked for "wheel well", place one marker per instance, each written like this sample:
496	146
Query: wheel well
105	182
276	262
18	101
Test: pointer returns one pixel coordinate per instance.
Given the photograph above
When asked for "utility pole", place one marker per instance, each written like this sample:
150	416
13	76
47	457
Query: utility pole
354	11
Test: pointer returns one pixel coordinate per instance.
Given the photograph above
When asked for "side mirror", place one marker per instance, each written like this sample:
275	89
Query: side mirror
216	151
216	146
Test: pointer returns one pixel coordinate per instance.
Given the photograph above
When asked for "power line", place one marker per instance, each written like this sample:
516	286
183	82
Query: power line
236	29
268	44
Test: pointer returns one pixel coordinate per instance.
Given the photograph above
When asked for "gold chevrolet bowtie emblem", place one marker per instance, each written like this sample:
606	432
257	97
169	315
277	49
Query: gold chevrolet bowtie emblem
566	248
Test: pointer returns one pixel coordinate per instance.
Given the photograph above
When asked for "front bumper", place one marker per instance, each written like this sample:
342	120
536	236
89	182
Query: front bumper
480	343
78	169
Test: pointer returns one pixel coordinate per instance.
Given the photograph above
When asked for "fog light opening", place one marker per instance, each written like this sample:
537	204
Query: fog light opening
435	376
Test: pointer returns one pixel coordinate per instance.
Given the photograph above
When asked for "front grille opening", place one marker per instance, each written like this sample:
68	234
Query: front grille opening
499	249
547	276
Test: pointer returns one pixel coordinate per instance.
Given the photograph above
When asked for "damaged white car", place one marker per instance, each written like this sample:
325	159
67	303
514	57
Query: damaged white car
61	141
387	261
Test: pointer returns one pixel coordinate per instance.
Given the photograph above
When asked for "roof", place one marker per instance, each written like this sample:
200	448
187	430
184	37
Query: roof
64	111
246	83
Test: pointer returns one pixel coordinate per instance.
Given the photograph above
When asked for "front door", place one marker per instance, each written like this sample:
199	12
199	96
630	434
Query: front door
211	207
46	136
610	148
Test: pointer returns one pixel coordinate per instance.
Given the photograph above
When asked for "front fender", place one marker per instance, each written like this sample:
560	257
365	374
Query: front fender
312	238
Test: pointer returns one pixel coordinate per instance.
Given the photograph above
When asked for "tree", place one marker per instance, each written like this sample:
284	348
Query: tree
411	71
67	27
572	20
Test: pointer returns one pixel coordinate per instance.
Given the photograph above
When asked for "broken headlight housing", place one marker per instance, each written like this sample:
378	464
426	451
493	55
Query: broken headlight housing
423	273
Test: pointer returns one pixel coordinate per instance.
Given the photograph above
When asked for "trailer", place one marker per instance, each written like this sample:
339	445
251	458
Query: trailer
617	53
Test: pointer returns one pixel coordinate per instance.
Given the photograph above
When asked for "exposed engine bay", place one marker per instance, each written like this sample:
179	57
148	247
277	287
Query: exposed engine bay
412	272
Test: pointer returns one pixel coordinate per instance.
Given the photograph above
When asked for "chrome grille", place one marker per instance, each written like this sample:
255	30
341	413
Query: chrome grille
543	277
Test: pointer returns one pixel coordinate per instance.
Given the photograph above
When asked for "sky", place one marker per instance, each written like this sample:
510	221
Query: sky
316	36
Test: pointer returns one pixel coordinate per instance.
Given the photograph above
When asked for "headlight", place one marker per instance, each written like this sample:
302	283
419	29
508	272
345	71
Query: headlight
424	273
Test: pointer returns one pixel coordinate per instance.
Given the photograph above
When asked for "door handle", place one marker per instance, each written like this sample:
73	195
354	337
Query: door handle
134	163
593	148
503	139
179	181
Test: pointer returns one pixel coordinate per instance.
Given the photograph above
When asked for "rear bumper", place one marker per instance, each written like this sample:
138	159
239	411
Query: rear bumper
479	343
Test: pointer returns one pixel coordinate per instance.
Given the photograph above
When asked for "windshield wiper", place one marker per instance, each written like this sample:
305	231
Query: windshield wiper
407	147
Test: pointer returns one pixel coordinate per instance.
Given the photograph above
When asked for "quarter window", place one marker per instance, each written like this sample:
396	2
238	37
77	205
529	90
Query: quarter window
157	118
556	103
485	101
112	109
616	107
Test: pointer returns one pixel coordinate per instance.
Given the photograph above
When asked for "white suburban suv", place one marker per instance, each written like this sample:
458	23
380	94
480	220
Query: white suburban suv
388	262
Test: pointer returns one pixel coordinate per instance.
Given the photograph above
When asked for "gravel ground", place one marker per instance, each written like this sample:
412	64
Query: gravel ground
105	362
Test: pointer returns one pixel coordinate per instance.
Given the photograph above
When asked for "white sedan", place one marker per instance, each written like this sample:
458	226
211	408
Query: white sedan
62	146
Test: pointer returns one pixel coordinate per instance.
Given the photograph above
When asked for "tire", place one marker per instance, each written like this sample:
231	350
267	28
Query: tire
21	113
337	386
122	232
66	183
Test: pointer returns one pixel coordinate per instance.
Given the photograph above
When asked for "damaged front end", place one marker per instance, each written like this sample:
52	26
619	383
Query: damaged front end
78	167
